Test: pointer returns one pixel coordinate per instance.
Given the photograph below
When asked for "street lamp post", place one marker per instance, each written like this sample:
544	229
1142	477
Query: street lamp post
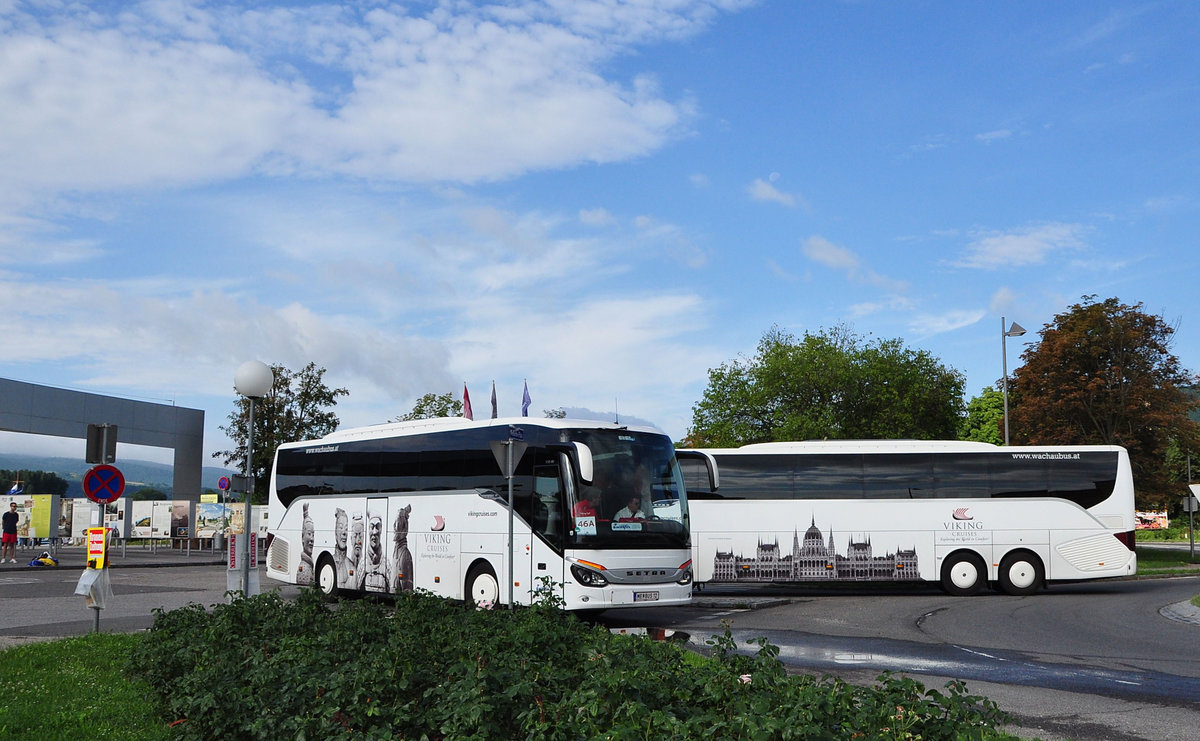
253	380
1016	330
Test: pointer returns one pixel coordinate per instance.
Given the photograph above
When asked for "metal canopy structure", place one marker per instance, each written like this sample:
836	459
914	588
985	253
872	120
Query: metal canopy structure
45	410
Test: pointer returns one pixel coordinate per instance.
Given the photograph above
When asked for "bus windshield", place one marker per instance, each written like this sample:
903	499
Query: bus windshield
636	498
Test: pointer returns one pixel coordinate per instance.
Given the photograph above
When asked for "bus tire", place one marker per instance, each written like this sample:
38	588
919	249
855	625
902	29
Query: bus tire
963	574
1021	573
326	581
482	586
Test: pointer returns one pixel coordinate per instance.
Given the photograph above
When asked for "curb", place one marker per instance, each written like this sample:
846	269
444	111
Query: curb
1182	612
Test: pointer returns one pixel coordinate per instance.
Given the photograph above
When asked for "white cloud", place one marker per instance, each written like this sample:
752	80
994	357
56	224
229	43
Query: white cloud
890	304
822	251
993	136
631	349
1031	245
596	217
164	93
779	272
1002	301
761	190
931	324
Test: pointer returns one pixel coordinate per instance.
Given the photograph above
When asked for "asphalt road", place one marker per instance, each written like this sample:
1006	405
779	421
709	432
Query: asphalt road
37	603
1101	660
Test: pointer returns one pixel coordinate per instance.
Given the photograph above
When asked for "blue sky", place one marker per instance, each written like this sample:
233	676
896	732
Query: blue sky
605	198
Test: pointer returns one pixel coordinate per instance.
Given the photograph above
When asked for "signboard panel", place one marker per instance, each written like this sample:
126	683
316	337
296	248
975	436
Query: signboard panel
97	538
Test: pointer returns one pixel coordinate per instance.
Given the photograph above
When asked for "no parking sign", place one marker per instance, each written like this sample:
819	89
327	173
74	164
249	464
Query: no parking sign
103	484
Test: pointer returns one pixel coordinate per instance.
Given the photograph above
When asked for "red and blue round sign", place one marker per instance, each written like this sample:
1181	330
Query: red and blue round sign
223	483
103	484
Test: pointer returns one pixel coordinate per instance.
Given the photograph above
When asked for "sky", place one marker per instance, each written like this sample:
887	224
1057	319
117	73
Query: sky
602	198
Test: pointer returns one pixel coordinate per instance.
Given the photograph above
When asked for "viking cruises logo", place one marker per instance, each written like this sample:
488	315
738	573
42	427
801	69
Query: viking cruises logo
439	524
962	521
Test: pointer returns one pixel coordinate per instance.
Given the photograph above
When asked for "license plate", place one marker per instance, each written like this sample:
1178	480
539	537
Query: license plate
645	596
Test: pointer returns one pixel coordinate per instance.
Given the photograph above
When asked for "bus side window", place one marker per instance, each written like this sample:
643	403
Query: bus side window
546	509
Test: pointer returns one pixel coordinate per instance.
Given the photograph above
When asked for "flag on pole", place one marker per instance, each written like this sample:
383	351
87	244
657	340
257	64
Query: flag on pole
525	400
494	415
467	403
16	489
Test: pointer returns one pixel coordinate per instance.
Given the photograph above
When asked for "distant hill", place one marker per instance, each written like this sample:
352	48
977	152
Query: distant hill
138	474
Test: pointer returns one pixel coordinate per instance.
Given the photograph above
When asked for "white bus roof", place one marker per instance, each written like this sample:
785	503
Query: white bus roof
444	424
894	446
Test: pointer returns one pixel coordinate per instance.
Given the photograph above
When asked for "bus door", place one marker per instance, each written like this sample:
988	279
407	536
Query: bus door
547	523
374	565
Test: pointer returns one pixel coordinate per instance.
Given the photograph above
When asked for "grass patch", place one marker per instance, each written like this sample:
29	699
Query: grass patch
1165	561
76	688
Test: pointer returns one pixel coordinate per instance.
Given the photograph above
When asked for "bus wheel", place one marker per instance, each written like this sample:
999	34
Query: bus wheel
327	577
1021	573
483	590
963	574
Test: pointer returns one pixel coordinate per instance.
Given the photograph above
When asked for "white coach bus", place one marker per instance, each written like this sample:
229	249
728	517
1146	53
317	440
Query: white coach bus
960	513
424	505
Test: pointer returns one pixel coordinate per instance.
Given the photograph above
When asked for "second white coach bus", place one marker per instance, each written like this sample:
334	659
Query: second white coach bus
960	513
424	505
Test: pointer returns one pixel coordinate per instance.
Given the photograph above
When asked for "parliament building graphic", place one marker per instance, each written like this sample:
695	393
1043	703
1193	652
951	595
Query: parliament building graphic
815	558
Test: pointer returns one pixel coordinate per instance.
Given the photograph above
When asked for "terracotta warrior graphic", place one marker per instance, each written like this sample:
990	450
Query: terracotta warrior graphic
402	560
375	571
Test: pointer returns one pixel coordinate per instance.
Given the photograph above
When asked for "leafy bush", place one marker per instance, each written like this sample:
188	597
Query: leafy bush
427	668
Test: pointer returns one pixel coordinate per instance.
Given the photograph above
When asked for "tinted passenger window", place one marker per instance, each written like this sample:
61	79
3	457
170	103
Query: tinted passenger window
1086	480
829	476
961	476
1018	477
754	477
695	478
898	476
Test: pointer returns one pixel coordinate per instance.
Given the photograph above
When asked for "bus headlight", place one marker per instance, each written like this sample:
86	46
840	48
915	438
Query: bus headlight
587	577
686	567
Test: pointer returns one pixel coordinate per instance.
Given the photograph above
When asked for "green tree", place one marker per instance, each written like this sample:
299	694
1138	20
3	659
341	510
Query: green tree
828	385
1103	373
35	482
430	406
984	422
148	494
298	407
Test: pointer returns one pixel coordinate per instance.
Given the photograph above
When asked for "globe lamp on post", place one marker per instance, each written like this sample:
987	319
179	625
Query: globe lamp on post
253	380
1016	330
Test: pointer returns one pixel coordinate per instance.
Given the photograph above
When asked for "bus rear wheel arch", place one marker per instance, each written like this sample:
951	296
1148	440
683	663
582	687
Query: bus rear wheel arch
1021	573
326	581
482	587
964	573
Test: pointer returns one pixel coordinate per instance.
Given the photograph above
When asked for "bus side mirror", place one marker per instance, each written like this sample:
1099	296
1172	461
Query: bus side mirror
581	454
584	455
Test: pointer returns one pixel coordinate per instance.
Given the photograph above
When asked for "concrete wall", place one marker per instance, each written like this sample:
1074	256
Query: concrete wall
43	410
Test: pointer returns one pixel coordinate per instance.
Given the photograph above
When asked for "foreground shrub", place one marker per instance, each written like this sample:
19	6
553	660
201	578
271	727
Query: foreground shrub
428	668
